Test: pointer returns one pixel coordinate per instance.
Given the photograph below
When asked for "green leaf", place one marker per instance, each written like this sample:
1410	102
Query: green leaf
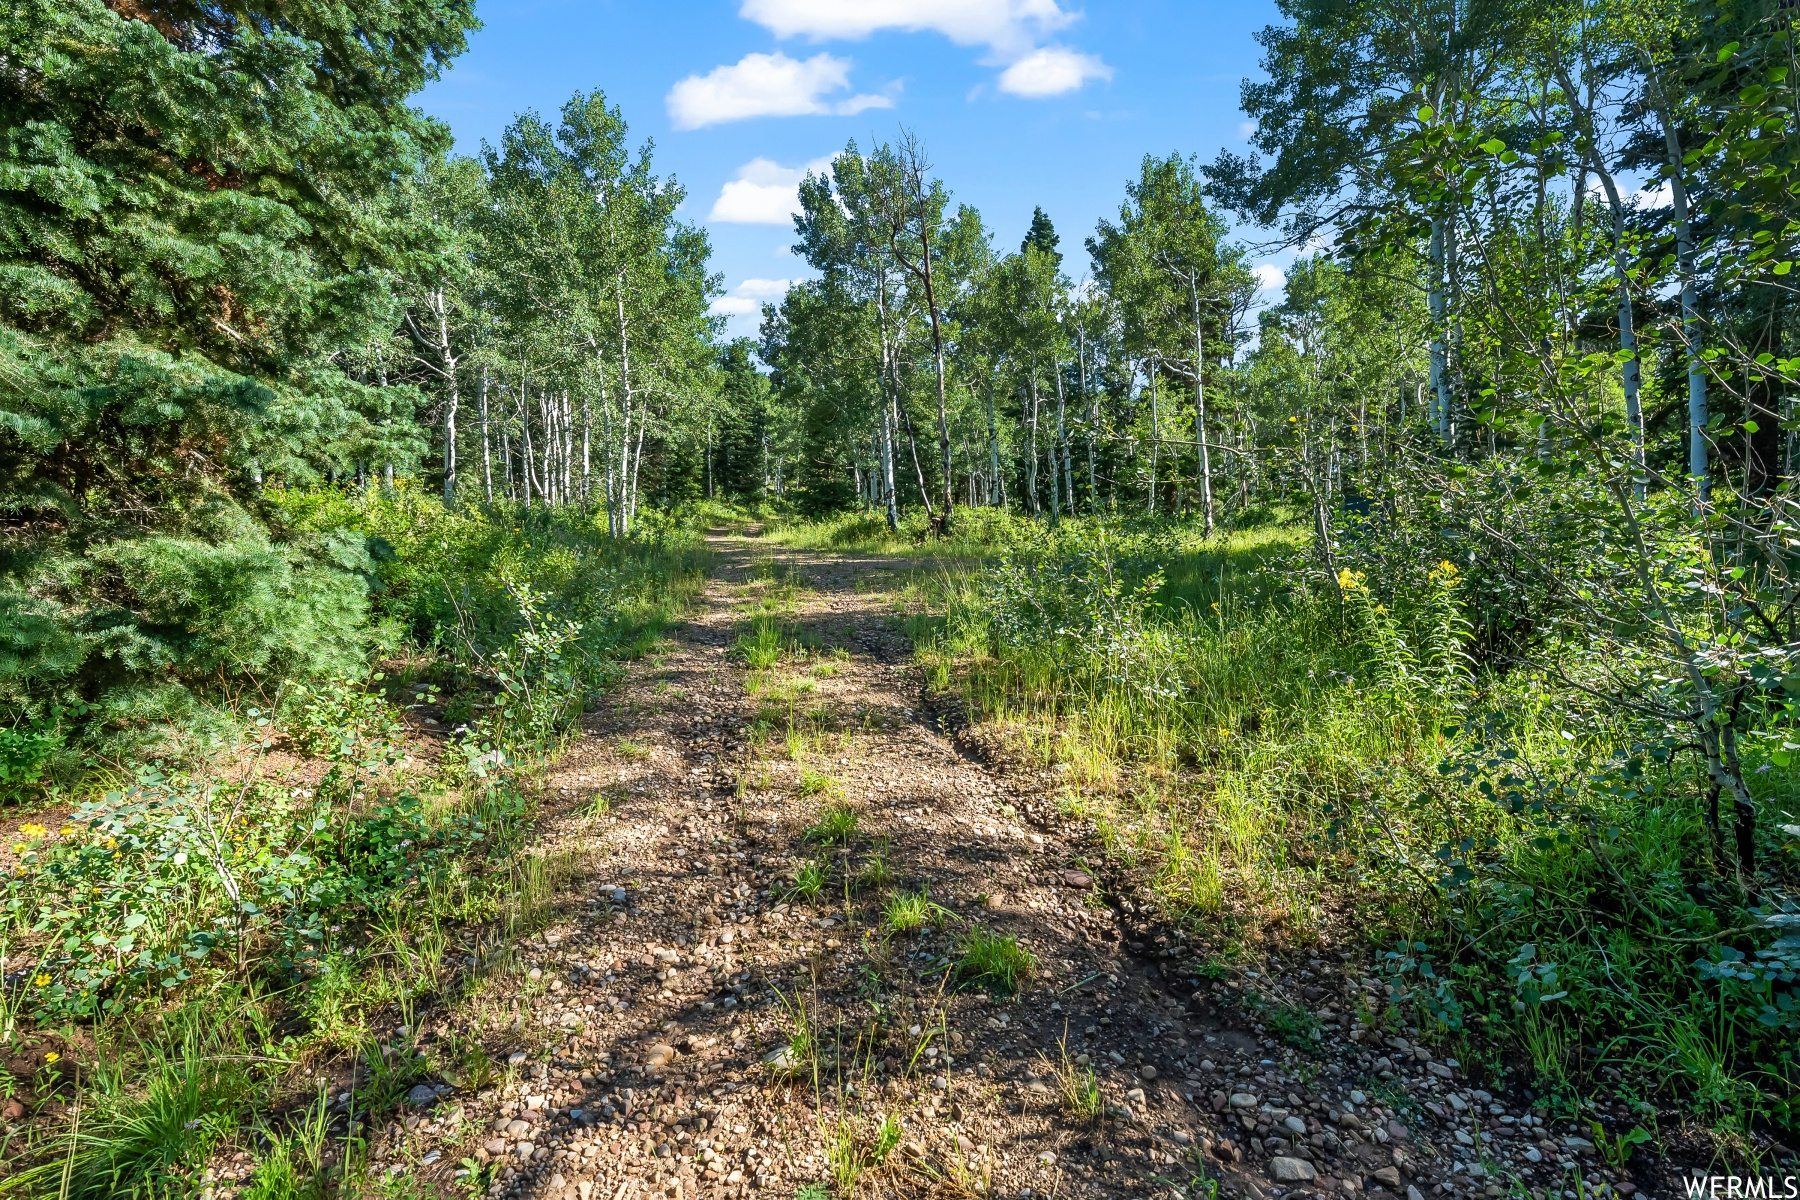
1493	145
1727	50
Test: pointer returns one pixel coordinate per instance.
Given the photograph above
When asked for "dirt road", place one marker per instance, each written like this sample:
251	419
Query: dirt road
688	1026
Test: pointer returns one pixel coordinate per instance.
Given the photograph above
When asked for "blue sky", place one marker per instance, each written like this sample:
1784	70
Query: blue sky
1019	102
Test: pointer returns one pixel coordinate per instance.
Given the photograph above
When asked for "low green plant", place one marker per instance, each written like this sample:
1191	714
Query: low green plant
996	960
1077	1086
836	825
909	912
812	783
808	880
763	646
875	875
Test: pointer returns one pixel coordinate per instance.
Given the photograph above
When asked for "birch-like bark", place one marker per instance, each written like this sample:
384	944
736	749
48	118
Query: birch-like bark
1206	496
487	454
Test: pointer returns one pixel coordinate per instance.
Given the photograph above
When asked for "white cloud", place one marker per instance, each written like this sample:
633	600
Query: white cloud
1660	194
767	85
1246	129
735	306
1010	27
1052	71
764	193
1268	276
1012	31
763	289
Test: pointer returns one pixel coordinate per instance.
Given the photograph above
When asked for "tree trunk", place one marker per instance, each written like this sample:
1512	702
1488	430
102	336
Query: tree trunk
1206	496
487	460
1690	312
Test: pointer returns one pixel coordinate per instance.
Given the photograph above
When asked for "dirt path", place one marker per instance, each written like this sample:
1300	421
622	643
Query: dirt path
648	1028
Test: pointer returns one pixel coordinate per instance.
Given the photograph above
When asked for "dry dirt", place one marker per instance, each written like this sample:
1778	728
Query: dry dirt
643	1030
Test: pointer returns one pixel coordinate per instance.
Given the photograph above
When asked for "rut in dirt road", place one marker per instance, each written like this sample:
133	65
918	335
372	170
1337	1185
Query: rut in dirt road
688	1025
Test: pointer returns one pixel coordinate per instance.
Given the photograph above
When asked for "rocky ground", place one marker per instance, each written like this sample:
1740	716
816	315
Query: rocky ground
687	1026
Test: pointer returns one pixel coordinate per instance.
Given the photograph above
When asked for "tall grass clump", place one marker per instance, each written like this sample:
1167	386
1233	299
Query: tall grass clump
1256	732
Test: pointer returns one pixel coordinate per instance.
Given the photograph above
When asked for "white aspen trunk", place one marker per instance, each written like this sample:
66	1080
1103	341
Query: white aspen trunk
1155	439
487	454
1092	416
1206	495
450	405
1062	443
627	477
1031	465
527	465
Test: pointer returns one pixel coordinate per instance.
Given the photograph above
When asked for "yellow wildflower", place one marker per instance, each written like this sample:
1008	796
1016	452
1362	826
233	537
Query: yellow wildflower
65	831
1349	580
32	829
51	1057
41	980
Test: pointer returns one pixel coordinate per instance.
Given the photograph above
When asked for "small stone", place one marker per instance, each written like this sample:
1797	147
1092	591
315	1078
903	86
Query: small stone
1413	1193
516	1059
1207	1064
1440	1070
1397	1131
421	1096
518	1129
1296	1125
523	1150
1292	1170
1077	879
557	1182
1534	1155
660	1055
1147	1073
1243	1100
534	973
1182	1137
495	1146
781	1059
1135	1096
1047	1157
1388	1177
584	1189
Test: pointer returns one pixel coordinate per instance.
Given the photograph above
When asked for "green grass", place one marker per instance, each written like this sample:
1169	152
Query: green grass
1258	753
836	825
909	912
812	783
876	874
994	960
808	881
1077	1087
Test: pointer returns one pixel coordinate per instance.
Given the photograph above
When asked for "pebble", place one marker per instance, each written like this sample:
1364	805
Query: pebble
1292	1170
1147	1072
1243	1100
422	1095
1295	1124
660	1055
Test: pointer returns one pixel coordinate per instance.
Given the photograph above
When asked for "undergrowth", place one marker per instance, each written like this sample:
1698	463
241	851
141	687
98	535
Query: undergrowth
1258	740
